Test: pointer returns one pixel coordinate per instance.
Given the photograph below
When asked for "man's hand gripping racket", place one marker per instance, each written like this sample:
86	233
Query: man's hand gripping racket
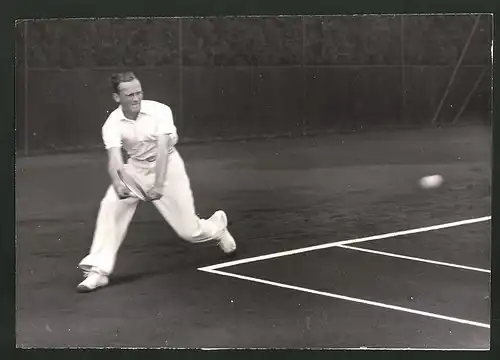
133	189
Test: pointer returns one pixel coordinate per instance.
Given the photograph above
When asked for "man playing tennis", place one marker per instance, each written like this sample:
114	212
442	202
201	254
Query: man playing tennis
145	130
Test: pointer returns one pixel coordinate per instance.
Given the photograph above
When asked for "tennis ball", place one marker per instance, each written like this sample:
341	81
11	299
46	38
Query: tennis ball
431	181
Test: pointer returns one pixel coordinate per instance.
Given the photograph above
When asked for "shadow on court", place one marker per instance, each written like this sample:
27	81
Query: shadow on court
280	194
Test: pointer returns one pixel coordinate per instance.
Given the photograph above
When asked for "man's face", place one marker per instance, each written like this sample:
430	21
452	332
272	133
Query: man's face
130	96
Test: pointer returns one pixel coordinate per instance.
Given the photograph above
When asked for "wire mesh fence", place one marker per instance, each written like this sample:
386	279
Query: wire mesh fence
230	77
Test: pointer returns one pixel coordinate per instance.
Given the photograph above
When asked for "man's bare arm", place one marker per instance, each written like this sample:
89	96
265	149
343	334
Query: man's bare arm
115	163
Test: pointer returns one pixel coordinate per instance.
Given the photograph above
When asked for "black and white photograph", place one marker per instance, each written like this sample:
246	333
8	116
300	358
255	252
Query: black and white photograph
254	182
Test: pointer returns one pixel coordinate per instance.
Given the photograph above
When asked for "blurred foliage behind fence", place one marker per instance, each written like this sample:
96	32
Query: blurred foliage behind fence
250	76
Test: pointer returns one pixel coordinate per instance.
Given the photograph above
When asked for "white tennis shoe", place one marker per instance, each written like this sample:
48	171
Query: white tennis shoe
93	281
225	239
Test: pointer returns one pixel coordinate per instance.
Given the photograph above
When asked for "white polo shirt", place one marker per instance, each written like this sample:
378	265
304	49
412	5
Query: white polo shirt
138	137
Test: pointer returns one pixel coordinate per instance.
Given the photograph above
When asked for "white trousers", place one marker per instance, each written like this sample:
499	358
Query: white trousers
176	206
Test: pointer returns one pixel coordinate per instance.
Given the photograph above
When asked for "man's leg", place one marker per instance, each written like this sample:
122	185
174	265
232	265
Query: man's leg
177	207
112	223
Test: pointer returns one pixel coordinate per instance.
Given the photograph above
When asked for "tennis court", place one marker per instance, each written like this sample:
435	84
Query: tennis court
382	263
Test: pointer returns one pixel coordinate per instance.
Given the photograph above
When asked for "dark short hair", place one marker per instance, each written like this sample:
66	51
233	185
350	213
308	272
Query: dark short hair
118	78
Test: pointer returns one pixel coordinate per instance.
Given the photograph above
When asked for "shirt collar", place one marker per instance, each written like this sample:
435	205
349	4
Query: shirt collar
122	116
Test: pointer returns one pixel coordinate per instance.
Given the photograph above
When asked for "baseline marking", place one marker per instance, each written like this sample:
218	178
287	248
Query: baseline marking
415	258
345	242
356	300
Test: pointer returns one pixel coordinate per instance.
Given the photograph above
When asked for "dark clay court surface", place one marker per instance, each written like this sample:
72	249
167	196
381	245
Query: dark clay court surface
423	289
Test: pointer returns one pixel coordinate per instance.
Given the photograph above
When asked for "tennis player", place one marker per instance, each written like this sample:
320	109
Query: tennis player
146	131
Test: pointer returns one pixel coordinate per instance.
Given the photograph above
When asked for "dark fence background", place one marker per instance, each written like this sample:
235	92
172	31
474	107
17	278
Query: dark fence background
252	76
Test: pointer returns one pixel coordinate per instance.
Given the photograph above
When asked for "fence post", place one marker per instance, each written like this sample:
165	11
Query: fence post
469	96
181	102
403	71
457	66
26	147
303	124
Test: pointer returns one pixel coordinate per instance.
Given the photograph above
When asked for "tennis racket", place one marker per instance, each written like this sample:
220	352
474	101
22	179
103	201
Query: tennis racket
133	186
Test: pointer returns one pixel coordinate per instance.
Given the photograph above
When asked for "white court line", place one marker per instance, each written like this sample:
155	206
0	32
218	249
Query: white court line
342	297
345	242
414	258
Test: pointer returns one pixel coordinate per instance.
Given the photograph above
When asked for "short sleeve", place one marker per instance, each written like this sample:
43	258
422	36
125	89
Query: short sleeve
111	135
165	121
